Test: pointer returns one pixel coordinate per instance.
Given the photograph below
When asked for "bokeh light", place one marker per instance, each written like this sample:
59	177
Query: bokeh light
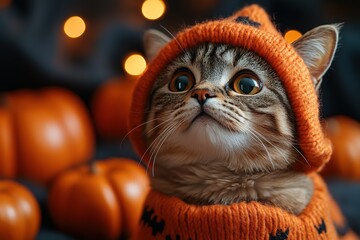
292	35
133	190
135	64
153	9
74	27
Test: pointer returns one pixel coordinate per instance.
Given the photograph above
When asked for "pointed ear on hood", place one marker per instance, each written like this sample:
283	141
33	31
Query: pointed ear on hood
153	41
317	48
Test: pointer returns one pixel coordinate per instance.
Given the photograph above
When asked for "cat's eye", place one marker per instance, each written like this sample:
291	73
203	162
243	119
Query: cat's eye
246	82
182	80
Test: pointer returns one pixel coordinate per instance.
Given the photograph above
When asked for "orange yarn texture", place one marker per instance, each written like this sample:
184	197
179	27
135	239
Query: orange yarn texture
250	28
169	218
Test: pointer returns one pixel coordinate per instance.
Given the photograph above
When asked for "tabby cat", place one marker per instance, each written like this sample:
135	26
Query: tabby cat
220	128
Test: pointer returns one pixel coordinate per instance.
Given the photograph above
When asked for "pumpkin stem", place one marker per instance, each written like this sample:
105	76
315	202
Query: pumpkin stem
93	168
2	100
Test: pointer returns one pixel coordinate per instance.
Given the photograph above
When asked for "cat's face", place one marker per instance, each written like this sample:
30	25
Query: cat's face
222	105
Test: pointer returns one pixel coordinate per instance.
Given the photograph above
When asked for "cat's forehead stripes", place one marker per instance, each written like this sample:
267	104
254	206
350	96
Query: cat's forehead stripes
219	63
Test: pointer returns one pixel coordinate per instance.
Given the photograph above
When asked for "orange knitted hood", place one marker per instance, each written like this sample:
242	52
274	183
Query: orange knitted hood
250	28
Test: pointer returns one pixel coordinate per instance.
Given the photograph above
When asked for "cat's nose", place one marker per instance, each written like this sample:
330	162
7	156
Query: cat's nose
202	95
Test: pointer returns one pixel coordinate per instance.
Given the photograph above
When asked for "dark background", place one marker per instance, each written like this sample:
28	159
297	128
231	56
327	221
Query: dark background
34	52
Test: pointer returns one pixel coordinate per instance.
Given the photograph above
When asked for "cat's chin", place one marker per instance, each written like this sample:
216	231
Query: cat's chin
204	119
206	131
207	121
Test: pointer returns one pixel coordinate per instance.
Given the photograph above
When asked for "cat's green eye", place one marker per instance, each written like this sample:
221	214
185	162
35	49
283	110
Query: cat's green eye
246	83
182	80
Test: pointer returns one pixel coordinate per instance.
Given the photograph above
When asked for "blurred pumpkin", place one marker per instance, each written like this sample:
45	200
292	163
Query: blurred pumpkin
19	212
111	107
344	134
42	133
100	201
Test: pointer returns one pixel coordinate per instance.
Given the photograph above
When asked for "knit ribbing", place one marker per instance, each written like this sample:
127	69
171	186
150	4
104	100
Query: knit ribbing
270	45
167	217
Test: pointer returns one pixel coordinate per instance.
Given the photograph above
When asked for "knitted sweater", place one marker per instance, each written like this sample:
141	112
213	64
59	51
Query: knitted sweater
169	218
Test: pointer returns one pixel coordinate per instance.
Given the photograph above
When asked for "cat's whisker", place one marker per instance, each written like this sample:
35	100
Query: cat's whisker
160	124
262	143
138	126
298	151
157	141
302	155
237	123
141	113
153	145
265	139
149	148
169	132
160	135
160	144
172	35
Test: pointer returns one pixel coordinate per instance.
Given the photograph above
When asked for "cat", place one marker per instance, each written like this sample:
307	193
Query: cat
220	128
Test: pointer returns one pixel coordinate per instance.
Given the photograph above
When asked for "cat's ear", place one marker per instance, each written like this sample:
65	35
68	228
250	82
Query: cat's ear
154	40
317	48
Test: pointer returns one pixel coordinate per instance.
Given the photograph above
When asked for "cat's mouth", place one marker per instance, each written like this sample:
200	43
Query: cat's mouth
204	117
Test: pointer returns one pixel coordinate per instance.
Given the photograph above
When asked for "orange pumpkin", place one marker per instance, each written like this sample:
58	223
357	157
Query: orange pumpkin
111	107
19	212
42	133
344	134
101	201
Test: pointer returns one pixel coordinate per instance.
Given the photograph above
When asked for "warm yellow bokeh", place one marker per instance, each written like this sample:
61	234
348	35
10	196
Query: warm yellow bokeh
153	9
74	27
135	64
292	35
